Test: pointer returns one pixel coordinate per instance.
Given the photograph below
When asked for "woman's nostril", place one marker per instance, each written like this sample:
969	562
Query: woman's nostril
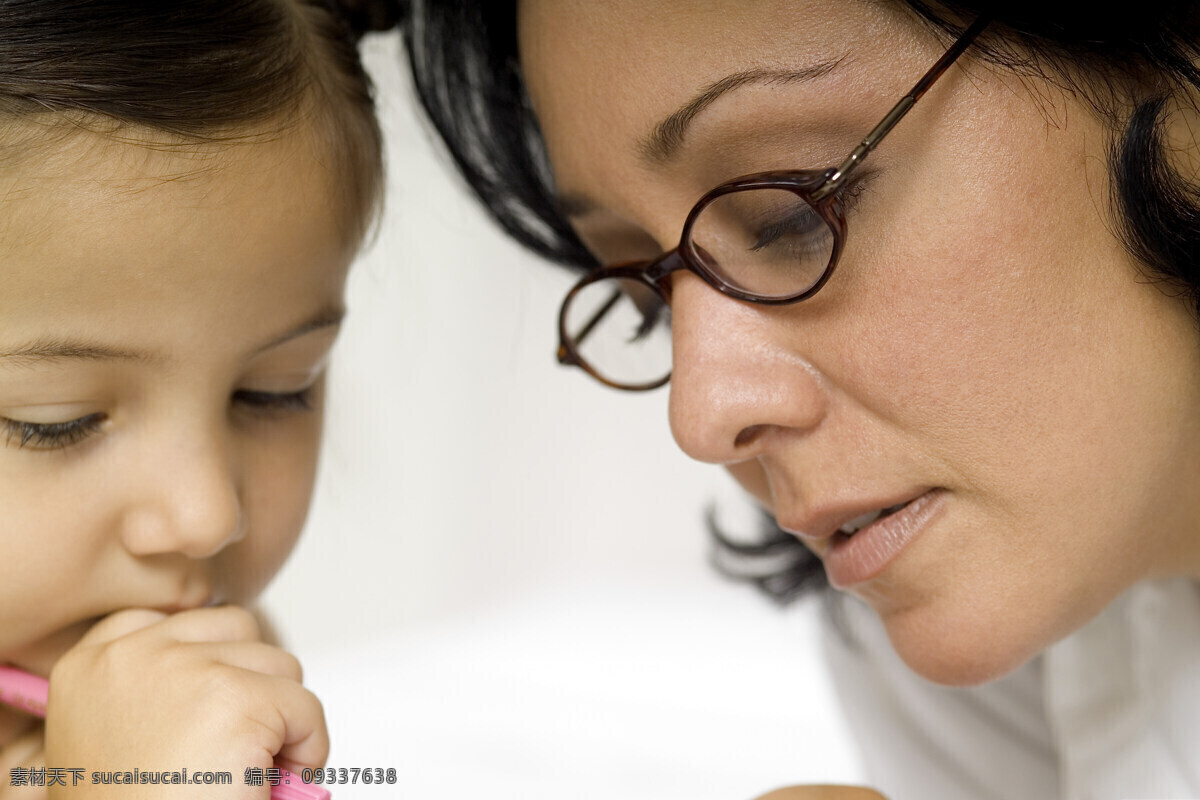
748	435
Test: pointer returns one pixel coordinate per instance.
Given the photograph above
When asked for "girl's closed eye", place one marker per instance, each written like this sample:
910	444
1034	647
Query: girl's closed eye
51	435
59	435
276	402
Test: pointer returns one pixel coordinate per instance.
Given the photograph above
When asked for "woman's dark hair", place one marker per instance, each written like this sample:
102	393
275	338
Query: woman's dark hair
1134	63
199	71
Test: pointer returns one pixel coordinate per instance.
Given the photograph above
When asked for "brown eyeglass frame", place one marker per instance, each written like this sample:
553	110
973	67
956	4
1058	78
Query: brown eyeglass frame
818	188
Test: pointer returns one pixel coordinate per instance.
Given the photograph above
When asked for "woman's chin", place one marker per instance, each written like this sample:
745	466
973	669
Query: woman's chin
950	667
961	650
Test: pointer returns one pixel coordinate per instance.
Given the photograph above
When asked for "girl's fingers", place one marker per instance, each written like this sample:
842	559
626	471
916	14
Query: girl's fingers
305	739
119	624
257	657
218	624
27	750
203	653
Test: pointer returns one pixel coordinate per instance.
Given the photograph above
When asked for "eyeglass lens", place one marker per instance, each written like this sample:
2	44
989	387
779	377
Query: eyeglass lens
622	328
768	242
765	241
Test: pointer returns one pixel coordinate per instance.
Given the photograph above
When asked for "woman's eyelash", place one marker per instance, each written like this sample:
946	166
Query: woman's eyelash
271	401
855	190
51	435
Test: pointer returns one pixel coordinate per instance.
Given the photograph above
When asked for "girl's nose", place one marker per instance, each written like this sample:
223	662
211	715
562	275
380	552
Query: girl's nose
738	379
187	497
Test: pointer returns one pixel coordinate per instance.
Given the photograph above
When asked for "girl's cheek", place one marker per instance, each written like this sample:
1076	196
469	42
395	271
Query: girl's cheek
277	505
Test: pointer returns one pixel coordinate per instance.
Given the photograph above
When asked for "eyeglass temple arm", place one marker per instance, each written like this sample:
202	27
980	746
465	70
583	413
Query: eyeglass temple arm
901	108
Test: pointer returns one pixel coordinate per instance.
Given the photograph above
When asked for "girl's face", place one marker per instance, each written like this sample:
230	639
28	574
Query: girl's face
985	349
164	327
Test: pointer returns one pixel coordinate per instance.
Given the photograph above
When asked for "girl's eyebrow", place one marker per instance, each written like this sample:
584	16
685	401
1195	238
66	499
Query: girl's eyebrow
666	137
327	318
63	349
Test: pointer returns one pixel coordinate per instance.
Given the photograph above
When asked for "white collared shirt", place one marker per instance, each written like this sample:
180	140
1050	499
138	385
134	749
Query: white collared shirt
1110	712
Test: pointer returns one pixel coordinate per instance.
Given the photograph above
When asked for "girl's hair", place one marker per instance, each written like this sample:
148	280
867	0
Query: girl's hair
201	71
1136	64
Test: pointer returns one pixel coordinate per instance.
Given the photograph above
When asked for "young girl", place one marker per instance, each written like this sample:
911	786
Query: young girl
183	187
923	277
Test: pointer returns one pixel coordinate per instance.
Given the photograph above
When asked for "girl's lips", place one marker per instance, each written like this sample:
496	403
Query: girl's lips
853	559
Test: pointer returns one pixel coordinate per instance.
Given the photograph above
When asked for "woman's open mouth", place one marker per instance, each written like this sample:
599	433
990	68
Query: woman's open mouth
864	546
855	525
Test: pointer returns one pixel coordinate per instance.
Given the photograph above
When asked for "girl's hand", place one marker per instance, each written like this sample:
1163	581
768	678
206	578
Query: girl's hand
823	793
25	749
198	690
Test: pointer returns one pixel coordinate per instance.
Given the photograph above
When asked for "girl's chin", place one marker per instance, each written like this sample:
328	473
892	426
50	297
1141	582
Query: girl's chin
39	657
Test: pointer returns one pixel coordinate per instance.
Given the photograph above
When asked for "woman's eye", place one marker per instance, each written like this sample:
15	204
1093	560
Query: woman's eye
796	225
50	435
799	225
275	401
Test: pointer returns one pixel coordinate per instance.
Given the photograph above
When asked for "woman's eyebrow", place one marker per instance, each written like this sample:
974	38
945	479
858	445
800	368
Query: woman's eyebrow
661	144
666	137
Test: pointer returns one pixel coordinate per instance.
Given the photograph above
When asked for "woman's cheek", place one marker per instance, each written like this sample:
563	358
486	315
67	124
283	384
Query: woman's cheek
753	478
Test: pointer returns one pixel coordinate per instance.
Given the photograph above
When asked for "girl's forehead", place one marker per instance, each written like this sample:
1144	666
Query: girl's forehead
64	151
148	244
48	165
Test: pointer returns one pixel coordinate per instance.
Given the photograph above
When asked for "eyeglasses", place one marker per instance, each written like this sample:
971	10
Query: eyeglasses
771	238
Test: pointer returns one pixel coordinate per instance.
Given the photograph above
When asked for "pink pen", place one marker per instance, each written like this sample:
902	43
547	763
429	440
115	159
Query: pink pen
29	693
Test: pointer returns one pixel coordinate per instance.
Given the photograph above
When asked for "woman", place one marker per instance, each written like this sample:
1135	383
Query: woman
962	370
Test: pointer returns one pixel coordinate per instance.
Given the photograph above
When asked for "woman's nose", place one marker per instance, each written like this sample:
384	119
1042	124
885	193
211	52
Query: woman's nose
186	498
738	379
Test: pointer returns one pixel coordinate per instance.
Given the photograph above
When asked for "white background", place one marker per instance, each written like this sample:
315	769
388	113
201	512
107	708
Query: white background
503	589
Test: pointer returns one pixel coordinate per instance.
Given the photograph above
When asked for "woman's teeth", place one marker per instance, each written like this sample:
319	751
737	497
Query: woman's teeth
858	523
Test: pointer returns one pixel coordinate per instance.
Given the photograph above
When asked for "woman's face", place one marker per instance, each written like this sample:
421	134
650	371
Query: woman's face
986	349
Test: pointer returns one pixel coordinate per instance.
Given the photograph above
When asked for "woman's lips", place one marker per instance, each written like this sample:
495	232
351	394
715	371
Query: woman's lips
853	559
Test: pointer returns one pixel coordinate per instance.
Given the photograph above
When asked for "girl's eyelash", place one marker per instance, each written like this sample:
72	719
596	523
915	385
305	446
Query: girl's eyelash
271	401
61	435
51	435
